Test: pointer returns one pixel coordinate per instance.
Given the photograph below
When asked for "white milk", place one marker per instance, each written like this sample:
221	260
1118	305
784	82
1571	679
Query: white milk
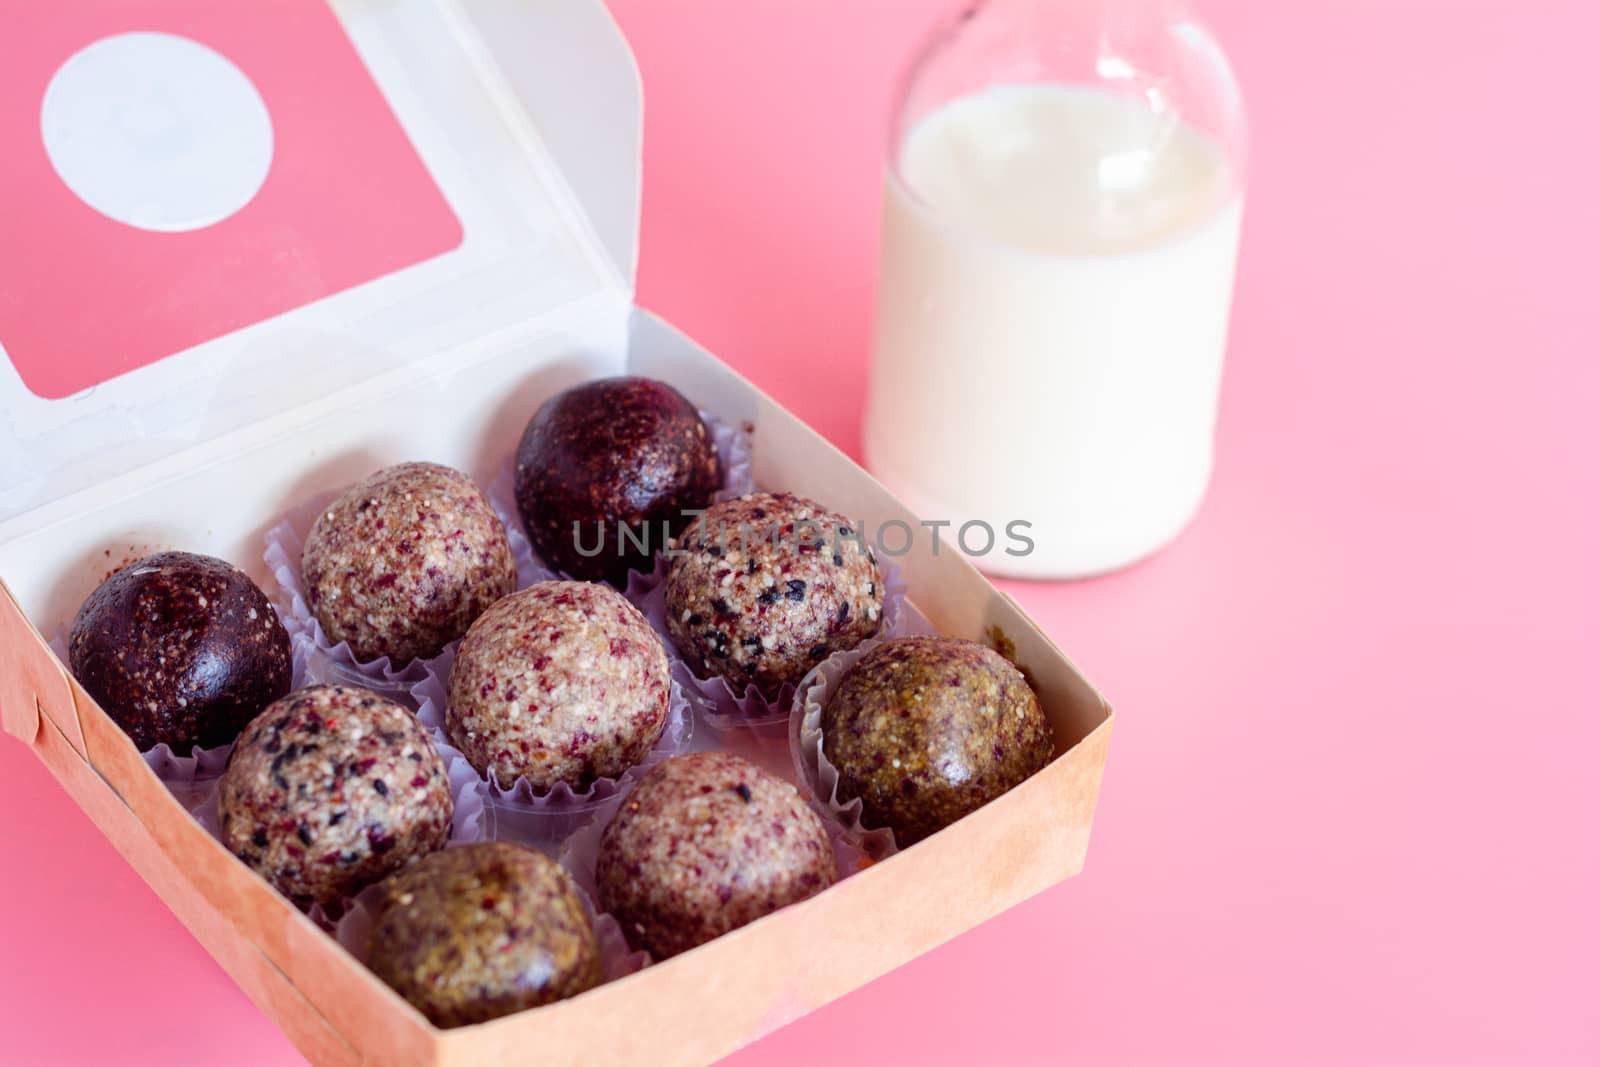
1053	308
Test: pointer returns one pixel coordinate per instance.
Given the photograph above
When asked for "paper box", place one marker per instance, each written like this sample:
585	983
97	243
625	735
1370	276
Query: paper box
519	167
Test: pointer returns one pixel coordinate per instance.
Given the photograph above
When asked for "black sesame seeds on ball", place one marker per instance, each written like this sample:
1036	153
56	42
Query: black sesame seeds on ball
765	587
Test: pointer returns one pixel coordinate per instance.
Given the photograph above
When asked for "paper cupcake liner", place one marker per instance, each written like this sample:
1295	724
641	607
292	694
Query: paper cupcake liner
581	849
734	447
502	494
811	764
714	698
353	930
327	663
523	814
578	852
192	779
470	821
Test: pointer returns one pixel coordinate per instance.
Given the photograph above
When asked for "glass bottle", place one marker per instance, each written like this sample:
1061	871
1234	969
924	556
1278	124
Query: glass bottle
1063	197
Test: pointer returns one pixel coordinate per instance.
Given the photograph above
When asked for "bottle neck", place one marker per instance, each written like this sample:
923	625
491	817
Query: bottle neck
1127	43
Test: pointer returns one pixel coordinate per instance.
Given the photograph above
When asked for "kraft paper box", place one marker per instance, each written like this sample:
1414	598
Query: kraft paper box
502	136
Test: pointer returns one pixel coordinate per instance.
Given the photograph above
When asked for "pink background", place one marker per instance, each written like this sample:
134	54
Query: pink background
1351	811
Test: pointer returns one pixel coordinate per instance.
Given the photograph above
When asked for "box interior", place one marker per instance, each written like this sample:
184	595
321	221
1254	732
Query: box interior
470	415
546	195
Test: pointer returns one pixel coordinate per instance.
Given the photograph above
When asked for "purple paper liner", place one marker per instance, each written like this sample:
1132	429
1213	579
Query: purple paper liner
734	447
503	499
714	699
816	774
578	853
522	814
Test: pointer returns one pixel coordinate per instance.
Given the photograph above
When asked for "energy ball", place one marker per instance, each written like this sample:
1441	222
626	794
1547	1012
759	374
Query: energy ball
925	730
181	649
331	789
618	452
473	933
766	587
401	564
562	682
704	844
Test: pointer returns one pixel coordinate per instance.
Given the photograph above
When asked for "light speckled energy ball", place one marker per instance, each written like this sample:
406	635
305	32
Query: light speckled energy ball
331	789
928	729
767	587
473	933
704	844
562	682
181	649
628	451
401	564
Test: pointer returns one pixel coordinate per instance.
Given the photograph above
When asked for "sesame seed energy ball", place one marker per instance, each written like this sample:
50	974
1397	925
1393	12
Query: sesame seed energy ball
925	730
331	789
705	844
562	682
767	586
473	933
401	564
628	451
181	649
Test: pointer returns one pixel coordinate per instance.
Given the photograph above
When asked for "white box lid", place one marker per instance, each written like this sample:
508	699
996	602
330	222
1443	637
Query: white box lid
525	114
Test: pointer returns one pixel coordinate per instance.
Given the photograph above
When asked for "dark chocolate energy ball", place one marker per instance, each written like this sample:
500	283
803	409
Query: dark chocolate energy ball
620	450
705	844
562	682
181	649
927	729
767	587
401	564
473	933
331	789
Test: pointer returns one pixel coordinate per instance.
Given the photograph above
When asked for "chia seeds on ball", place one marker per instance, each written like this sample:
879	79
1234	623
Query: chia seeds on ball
767	587
180	649
401	564
705	844
626	451
473	933
925	730
562	682
331	789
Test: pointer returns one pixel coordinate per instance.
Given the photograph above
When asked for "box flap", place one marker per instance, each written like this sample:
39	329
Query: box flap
238	210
